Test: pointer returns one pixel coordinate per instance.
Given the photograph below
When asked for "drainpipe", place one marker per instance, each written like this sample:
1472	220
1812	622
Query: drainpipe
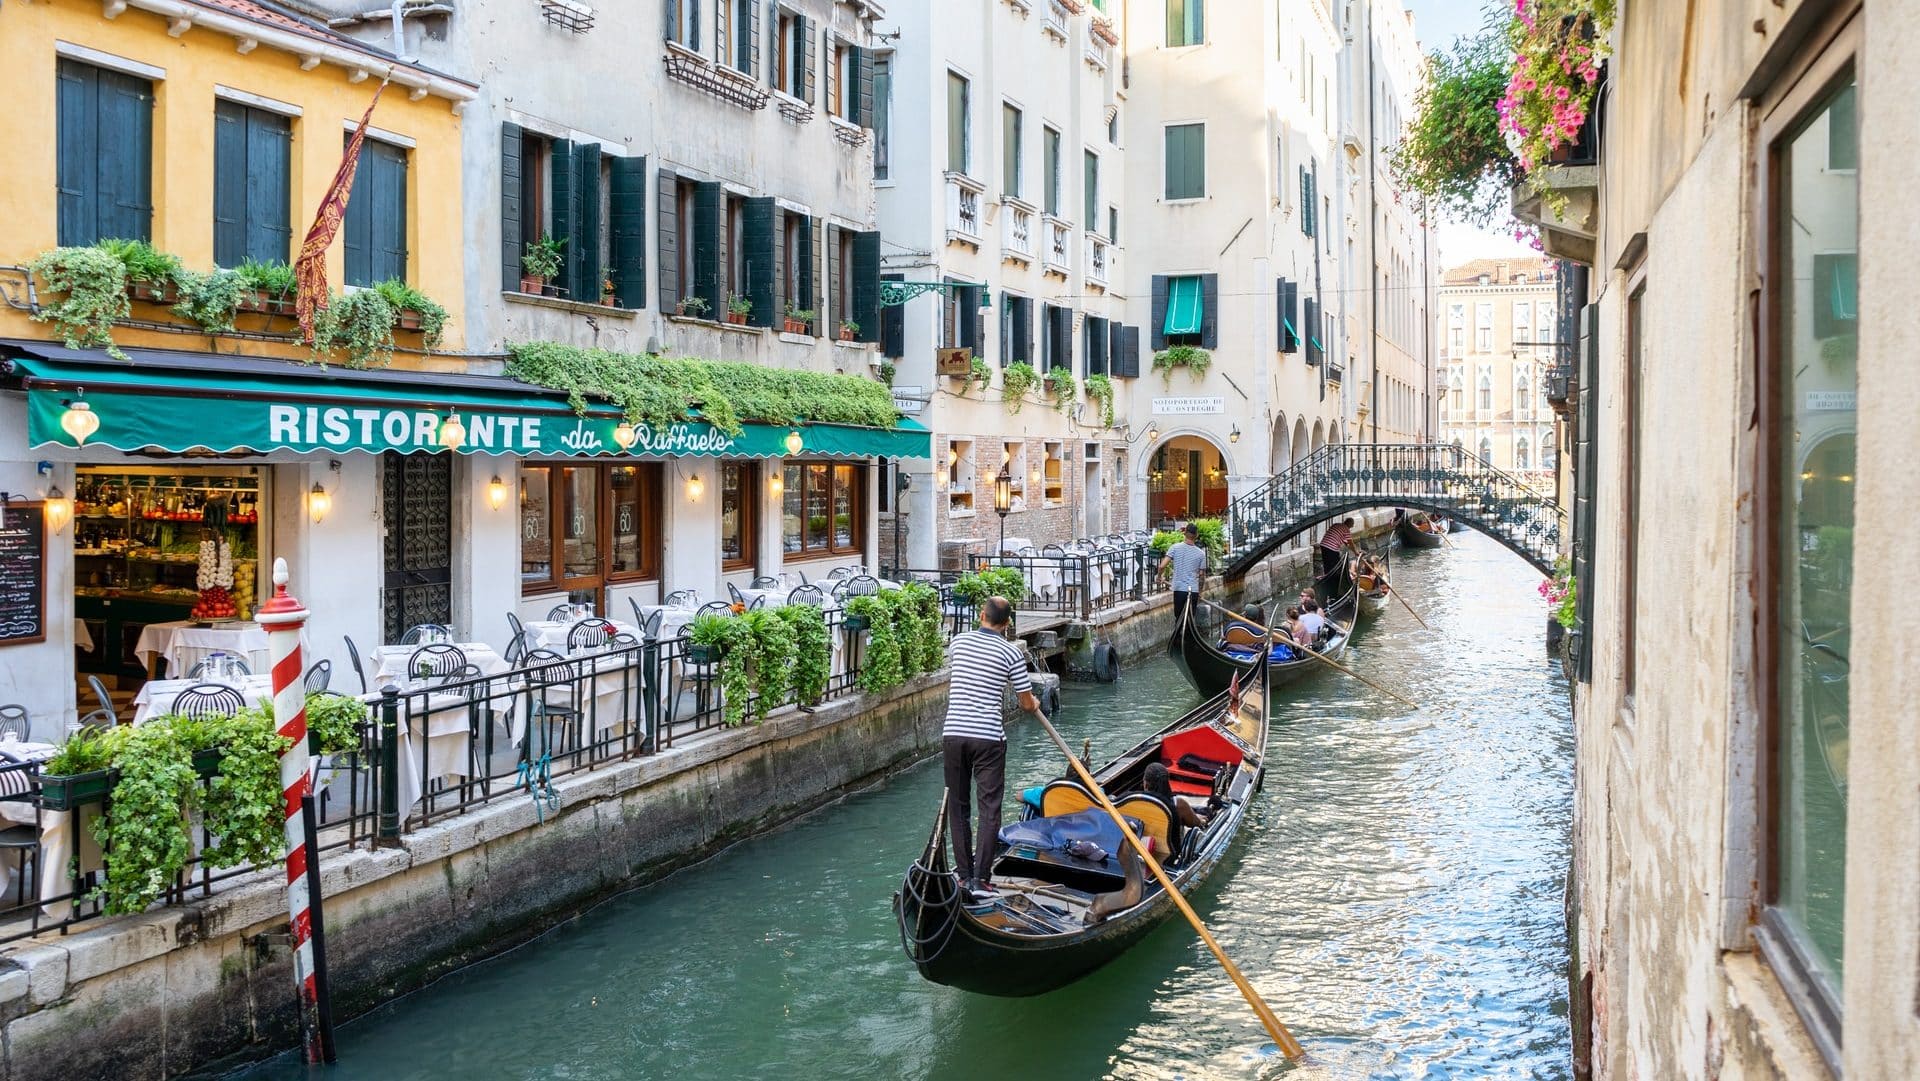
399	28
1373	250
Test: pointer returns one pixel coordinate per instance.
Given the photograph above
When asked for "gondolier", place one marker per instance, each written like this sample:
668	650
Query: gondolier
1188	562
1333	544
973	743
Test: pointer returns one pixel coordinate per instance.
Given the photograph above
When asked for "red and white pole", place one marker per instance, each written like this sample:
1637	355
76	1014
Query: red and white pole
284	618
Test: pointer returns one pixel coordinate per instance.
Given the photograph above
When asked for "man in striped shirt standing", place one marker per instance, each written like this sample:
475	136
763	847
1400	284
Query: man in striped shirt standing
1333	544
1188	562
973	742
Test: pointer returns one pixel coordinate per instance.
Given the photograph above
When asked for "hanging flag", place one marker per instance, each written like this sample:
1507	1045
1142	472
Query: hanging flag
310	269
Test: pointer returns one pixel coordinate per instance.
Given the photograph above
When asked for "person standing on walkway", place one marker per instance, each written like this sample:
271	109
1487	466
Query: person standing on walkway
1188	562
973	743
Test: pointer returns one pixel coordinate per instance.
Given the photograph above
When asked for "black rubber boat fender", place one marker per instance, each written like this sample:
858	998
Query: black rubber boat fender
1106	662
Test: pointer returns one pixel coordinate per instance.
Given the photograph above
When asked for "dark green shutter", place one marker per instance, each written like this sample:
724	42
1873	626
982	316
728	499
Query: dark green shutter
1157	325
803	264
1090	193
816	259
671	8
1128	362
564	208
893	326
1006	330
269	230
229	183
126	158
627	207
1209	311
804	41
1309	317
839	303
1287	300
865	309
583	255
1026	330
77	151
390	222
863	87
966	306
753	34
708	200
669	203
1306	201
356	231
1116	350
756	235
1585	484
1063	336
510	181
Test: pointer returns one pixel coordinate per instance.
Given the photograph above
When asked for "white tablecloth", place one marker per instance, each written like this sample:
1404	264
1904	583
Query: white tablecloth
184	644
390	662
82	637
15	812
156	696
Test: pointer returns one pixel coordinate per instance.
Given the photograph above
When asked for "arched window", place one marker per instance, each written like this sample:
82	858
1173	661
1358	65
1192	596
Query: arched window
1486	393
1459	393
1486	449
1522	398
1520	456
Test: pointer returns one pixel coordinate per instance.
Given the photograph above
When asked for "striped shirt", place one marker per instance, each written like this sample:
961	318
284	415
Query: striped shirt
1189	562
984	666
1336	537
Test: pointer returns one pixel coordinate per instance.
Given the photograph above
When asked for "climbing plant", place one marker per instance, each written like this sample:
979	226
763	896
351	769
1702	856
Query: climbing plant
881	666
1060	384
774	646
1453	152
813	651
1100	389
334	722
732	640
1015	380
359	324
144	836
210	300
93	287
244	808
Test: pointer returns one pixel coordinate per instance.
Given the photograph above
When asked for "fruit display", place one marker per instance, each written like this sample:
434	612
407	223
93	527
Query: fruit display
215	580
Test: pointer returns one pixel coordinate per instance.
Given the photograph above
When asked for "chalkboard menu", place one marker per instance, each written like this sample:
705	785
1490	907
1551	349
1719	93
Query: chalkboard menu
23	573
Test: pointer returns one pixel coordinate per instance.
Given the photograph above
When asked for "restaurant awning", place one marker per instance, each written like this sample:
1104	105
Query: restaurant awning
169	401
1185	309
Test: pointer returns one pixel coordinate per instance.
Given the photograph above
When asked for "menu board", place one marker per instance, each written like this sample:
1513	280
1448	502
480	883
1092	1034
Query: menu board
23	573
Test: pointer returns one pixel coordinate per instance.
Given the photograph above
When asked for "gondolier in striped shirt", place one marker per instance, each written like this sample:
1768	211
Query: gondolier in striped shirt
973	742
1188	561
1333	544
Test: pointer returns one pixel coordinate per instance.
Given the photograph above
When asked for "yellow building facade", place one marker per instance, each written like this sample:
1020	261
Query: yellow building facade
194	57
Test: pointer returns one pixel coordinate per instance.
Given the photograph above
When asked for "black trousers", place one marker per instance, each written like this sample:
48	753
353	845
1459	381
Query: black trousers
969	762
1182	604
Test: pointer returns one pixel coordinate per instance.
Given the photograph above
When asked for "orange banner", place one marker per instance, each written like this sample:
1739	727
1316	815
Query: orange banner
310	269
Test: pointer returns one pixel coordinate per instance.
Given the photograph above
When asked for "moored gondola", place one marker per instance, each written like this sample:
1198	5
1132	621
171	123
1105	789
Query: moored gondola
1068	896
1414	534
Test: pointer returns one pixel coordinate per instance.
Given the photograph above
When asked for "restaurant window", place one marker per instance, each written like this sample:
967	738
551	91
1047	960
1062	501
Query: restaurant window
584	526
252	207
104	155
822	508
1013	459
1053	475
1813	303
737	518
959	476
376	223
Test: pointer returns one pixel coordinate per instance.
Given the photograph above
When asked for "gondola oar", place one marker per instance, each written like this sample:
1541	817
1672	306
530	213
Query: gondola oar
1276	636
1281	1037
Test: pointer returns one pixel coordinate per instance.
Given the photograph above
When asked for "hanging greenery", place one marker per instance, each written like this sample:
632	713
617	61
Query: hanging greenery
405	298
1191	357
775	648
86	751
210	300
1453	153
272	280
144	836
144	262
1100	389
979	374
730	638
1060	384
1015	380
94	284
243	807
334	722
881	666
974	587
359	324
813	651
662	391
928	641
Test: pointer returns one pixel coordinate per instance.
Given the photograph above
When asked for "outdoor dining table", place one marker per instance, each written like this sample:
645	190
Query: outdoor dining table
22	812
441	718
552	634
156	696
185	643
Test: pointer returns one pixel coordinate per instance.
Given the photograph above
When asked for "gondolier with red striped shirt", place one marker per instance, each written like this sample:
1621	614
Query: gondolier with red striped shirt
973	742
1334	543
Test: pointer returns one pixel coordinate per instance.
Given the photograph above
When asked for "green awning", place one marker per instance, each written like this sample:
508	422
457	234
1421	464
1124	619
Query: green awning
1185	309
245	404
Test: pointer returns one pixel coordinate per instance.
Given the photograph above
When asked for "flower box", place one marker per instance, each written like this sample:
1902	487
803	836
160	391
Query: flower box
703	653
262	304
153	293
857	623
207	763
408	319
738	319
795	326
846	334
76	790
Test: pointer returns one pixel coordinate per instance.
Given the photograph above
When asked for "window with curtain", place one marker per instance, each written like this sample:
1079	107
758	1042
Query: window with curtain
1186	161
822	508
1186	22
959	141
1186	310
737	520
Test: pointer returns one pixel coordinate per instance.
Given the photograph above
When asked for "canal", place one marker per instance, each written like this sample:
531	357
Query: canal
1396	897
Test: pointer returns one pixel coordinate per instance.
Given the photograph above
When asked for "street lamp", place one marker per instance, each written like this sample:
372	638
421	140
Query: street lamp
1003	502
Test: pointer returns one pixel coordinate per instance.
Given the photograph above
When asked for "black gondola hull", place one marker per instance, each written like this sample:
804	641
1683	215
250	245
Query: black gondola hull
1412	536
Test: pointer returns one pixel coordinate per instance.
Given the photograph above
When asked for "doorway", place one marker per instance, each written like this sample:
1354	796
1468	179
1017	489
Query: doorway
416	497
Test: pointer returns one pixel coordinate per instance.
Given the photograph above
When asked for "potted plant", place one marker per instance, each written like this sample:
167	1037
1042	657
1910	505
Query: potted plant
608	295
709	636
540	263
82	772
270	287
692	307
848	328
738	308
150	271
797	320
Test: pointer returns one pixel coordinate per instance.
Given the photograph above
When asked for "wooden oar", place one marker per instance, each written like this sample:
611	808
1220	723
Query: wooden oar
1278	637
1281	1037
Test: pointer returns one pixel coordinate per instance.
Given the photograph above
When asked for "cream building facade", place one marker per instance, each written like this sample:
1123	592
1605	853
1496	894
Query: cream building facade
1496	323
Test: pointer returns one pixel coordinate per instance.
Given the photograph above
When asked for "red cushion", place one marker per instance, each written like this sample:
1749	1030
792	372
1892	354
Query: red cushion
1205	741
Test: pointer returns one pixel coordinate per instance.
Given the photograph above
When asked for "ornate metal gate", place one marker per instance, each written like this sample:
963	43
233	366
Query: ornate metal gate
416	497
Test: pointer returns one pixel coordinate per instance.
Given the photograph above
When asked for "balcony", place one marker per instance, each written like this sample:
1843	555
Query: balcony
1016	232
963	209
1054	19
1098	260
1057	256
1099	53
1562	195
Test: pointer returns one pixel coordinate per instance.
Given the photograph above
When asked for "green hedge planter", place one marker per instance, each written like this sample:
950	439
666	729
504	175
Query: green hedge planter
76	790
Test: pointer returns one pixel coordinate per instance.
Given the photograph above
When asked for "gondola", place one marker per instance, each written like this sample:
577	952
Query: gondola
1414	535
1057	916
1211	665
1374	592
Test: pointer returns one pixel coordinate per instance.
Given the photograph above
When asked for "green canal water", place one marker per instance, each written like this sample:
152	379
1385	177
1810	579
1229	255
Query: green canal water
1396	897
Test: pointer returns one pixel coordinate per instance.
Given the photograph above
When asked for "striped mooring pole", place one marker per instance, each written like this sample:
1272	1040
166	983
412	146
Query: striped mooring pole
284	617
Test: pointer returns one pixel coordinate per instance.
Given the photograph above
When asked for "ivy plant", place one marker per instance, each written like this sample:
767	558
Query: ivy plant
774	646
1191	357
1100	389
979	374
813	651
405	298
243	806
335	722
93	285
926	645
730	636
210	300
881	667
1015	380
144	837
1061	384
974	587
359	324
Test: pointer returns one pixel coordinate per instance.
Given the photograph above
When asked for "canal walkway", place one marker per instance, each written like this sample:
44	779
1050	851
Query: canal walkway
1397	898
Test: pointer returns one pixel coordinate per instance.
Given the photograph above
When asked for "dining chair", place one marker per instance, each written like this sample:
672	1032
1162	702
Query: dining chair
105	700
683	598
16	718
208	700
204	667
547	672
416	633
517	649
716	608
758	603
1027	551
1053	550
764	581
353	655
467	671
18	781
807	594
859	585
650	624
437	659
734	594
589	633
559	613
514	624
319	676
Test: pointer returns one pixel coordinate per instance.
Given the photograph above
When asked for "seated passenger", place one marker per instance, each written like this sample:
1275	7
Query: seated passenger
1158	783
1312	623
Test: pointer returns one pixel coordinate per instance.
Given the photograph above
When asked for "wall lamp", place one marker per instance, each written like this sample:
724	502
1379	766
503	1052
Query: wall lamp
497	492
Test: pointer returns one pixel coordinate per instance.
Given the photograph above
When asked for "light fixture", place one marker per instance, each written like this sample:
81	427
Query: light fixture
453	434
318	502
776	483
59	509
695	487
1034	476
1003	502
624	434
497	492
1806	474
1234	436
1153	432
79	421
1845	478
794	442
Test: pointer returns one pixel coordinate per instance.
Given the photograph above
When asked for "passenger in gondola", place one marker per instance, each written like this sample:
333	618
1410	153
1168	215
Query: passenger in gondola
1312	624
1158	782
1307	597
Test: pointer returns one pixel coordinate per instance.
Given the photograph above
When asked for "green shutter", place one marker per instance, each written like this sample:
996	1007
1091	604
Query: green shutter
1091	193
1306	201
389	191
510	180
668	201
708	200
863	87
269	230
229	183
77	151
816	260
756	236
893	326
627	207
803	264
671	29
866	285
752	49
563	208
1210	311
1157	324
583	255
803	40
126	156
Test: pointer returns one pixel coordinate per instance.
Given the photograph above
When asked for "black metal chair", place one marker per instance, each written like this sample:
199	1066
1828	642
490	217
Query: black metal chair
1053	550
418	632
437	659
559	613
807	594
104	699
683	598
16	718
353	656
716	608
758	603
517	649
18	784
546	673
208	700
319	676
764	581
649	624
589	633
734	594
465	672
514	624
838	573
859	585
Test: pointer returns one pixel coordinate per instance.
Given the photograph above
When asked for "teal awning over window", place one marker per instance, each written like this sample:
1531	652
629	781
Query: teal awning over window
1185	309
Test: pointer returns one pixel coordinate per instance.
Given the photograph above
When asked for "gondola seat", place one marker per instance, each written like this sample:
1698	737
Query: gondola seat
1039	848
1155	817
1183	753
1065	797
1242	636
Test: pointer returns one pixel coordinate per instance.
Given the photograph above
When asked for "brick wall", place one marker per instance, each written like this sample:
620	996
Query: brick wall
1035	518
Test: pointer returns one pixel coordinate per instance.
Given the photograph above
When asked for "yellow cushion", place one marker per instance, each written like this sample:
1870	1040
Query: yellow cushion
1065	797
1155	818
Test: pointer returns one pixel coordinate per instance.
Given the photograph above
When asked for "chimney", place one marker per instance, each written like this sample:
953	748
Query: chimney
1500	273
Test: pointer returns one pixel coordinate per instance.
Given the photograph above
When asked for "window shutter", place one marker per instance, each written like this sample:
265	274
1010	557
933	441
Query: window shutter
672	27
269	186
510	237
1309	316
893	327
1130	351
564	210
78	153
229	183
1157	328
693	24
863	87
1289	316
1086	348
126	160
583	254
1306	201
627	206
803	264
1006	330
831	300
817	259
967	304
756	236
835	92
1026	330
707	217
803	37
865	309
357	230
1116	350
753	44
666	197
1210	311
390	212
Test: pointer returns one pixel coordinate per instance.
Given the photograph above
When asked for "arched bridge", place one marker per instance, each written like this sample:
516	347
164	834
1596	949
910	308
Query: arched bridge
1437	477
